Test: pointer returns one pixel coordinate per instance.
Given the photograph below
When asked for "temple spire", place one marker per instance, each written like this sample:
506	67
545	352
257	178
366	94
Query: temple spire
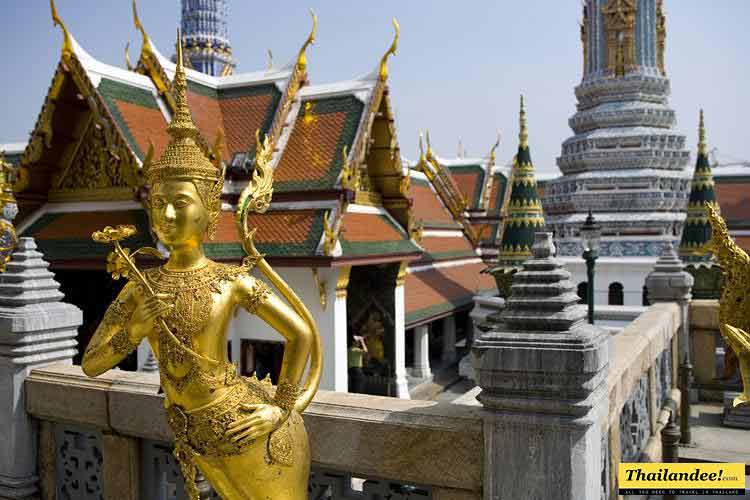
697	231
523	209
204	25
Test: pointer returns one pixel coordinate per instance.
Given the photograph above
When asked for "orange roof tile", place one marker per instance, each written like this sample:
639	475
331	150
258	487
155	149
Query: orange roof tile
439	291
206	113
743	242
242	117
358	227
469	183
83	224
274	226
734	200
312	156
145	124
427	206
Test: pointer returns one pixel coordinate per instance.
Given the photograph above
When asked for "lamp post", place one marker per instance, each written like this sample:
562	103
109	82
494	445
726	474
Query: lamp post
590	234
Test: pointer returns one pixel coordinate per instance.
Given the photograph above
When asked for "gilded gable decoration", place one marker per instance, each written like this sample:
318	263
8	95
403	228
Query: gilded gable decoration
619	33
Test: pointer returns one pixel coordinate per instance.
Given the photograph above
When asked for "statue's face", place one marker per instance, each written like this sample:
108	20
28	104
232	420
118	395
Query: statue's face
178	216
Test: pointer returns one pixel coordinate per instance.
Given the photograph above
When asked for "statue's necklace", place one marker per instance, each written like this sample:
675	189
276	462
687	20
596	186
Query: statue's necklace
191	313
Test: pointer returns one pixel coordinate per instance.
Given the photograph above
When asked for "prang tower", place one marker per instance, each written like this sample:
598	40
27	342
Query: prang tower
205	36
626	162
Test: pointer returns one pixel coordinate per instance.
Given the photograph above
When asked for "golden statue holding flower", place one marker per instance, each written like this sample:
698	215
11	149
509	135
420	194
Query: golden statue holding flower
247	438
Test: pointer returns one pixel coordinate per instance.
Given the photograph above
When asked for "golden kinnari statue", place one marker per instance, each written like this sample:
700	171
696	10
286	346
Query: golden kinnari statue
246	437
734	305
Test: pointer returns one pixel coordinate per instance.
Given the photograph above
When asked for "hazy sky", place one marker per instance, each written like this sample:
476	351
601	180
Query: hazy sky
459	70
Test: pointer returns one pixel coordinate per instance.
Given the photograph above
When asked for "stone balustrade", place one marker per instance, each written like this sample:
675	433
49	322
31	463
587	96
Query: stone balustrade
704	341
109	436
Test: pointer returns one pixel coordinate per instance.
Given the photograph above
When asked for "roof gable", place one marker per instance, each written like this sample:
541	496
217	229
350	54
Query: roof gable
312	158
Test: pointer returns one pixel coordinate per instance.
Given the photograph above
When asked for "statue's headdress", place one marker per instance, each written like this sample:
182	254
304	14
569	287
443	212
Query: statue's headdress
183	159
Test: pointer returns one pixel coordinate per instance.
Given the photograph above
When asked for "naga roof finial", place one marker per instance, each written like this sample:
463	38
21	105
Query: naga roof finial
702	147
523	135
302	57
138	25
494	149
391	51
67	48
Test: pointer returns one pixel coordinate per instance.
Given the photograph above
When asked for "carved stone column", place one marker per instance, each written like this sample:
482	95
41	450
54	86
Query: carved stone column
36	329
449	339
543	373
670	282
421	367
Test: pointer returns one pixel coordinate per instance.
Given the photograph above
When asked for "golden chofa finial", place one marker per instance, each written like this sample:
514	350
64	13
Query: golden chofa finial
702	147
302	57
270	60
421	147
391	51
67	48
523	135
128	64
137	22
494	149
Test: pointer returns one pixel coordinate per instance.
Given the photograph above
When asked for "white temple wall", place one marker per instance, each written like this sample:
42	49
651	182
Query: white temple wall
628	271
331	322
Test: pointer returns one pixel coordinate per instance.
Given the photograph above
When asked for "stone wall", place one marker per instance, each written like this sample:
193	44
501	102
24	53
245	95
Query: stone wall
382	442
110	433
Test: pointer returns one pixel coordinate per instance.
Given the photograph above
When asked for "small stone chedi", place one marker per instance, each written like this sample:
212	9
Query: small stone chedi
625	163
246	437
543	368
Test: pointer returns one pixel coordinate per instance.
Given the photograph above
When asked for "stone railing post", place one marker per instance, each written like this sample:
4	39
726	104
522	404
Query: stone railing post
669	282
543	373
36	328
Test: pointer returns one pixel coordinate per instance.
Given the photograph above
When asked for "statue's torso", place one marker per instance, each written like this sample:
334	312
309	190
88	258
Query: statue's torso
204	303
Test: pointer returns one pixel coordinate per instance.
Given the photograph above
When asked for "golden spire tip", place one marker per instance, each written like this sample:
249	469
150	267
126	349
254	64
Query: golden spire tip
523	135
391	51
67	48
702	147
302	57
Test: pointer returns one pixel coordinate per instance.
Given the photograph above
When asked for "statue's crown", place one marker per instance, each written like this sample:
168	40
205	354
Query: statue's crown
182	159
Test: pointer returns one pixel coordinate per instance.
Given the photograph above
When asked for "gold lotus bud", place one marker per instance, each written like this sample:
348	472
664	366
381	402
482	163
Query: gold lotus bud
117	265
110	234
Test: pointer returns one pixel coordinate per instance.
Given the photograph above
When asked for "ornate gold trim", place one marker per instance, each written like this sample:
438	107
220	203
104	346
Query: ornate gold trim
342	283
322	287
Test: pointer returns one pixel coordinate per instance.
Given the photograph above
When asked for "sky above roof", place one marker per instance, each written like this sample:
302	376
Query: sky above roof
458	71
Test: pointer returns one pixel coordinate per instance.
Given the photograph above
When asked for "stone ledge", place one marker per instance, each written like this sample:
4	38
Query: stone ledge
635	349
704	314
420	442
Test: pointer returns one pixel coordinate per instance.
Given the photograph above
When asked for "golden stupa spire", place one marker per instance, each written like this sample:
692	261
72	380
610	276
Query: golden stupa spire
391	51
702	147
523	135
67	48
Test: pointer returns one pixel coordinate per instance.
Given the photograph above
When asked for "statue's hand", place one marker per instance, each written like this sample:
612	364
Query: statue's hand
142	321
262	419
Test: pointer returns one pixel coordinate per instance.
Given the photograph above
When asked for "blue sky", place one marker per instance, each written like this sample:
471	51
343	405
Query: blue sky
459	70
